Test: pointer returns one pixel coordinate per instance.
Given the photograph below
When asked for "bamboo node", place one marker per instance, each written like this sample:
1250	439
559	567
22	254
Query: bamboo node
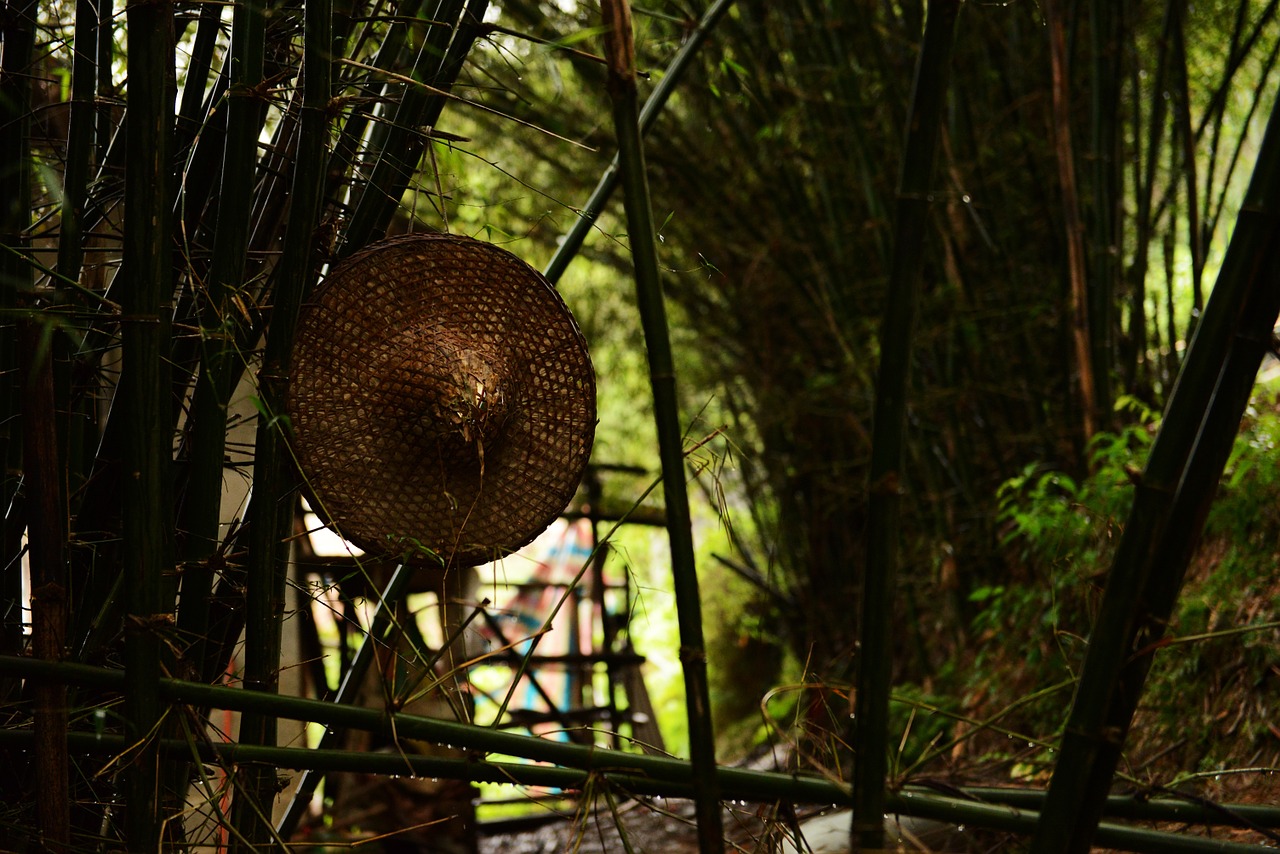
691	655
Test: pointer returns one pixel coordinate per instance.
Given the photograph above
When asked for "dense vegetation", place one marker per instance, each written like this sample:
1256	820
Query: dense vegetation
1036	235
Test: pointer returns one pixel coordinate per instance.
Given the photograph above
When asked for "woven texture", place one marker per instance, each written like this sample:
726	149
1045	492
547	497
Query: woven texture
442	400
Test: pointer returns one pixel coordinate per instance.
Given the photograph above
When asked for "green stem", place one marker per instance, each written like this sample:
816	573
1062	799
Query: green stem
874	662
16	77
348	691
438	63
270	511
620	55
736	783
144	395
653	774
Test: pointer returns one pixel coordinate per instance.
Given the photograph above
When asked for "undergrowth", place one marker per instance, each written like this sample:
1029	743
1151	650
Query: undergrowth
1208	699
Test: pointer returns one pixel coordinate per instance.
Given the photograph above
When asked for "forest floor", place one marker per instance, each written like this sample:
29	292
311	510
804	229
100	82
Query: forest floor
663	826
659	826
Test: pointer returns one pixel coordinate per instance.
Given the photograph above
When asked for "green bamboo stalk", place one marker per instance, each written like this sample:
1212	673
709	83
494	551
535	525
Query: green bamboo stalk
199	521
666	775
736	783
568	248
620	56
1144	188
347	148
1106	41
438	63
1140	807
144	395
104	55
1091	741
80	124
270	511
191	113
15	276
1183	133
874	670
1115	836
1190	509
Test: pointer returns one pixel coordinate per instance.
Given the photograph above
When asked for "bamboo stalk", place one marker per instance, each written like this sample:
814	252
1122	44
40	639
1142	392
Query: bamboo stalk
47	536
568	248
191	113
620	56
80	123
104	56
1091	396
736	783
15	275
143	396
1091	740
1144	189
346	149
199	520
438	63
874	671
1183	133
201	508
1106	37
270	510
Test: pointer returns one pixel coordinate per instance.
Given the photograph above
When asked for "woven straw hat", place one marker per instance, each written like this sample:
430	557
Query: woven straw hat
442	400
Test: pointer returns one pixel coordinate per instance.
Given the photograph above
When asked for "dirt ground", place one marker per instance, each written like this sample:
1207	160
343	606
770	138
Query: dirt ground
658	826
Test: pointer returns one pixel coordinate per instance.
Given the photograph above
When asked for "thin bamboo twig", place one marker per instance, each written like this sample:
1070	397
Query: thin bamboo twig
620	54
574	237
144	396
874	672
1109	681
448	41
352	682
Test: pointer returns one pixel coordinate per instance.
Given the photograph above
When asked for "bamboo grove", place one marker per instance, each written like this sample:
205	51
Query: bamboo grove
909	247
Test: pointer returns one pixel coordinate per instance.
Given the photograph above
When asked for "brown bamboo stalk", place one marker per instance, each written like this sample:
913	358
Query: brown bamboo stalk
1073	226
47	536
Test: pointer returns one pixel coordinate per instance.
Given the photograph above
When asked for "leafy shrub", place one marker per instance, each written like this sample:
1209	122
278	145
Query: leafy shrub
1206	698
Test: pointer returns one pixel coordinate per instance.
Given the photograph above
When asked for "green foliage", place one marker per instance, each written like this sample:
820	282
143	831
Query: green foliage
1056	532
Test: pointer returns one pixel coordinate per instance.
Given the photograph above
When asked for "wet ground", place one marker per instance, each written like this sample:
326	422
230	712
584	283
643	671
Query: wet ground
660	826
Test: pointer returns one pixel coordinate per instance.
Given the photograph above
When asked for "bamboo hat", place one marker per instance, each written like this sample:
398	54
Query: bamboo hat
442	400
